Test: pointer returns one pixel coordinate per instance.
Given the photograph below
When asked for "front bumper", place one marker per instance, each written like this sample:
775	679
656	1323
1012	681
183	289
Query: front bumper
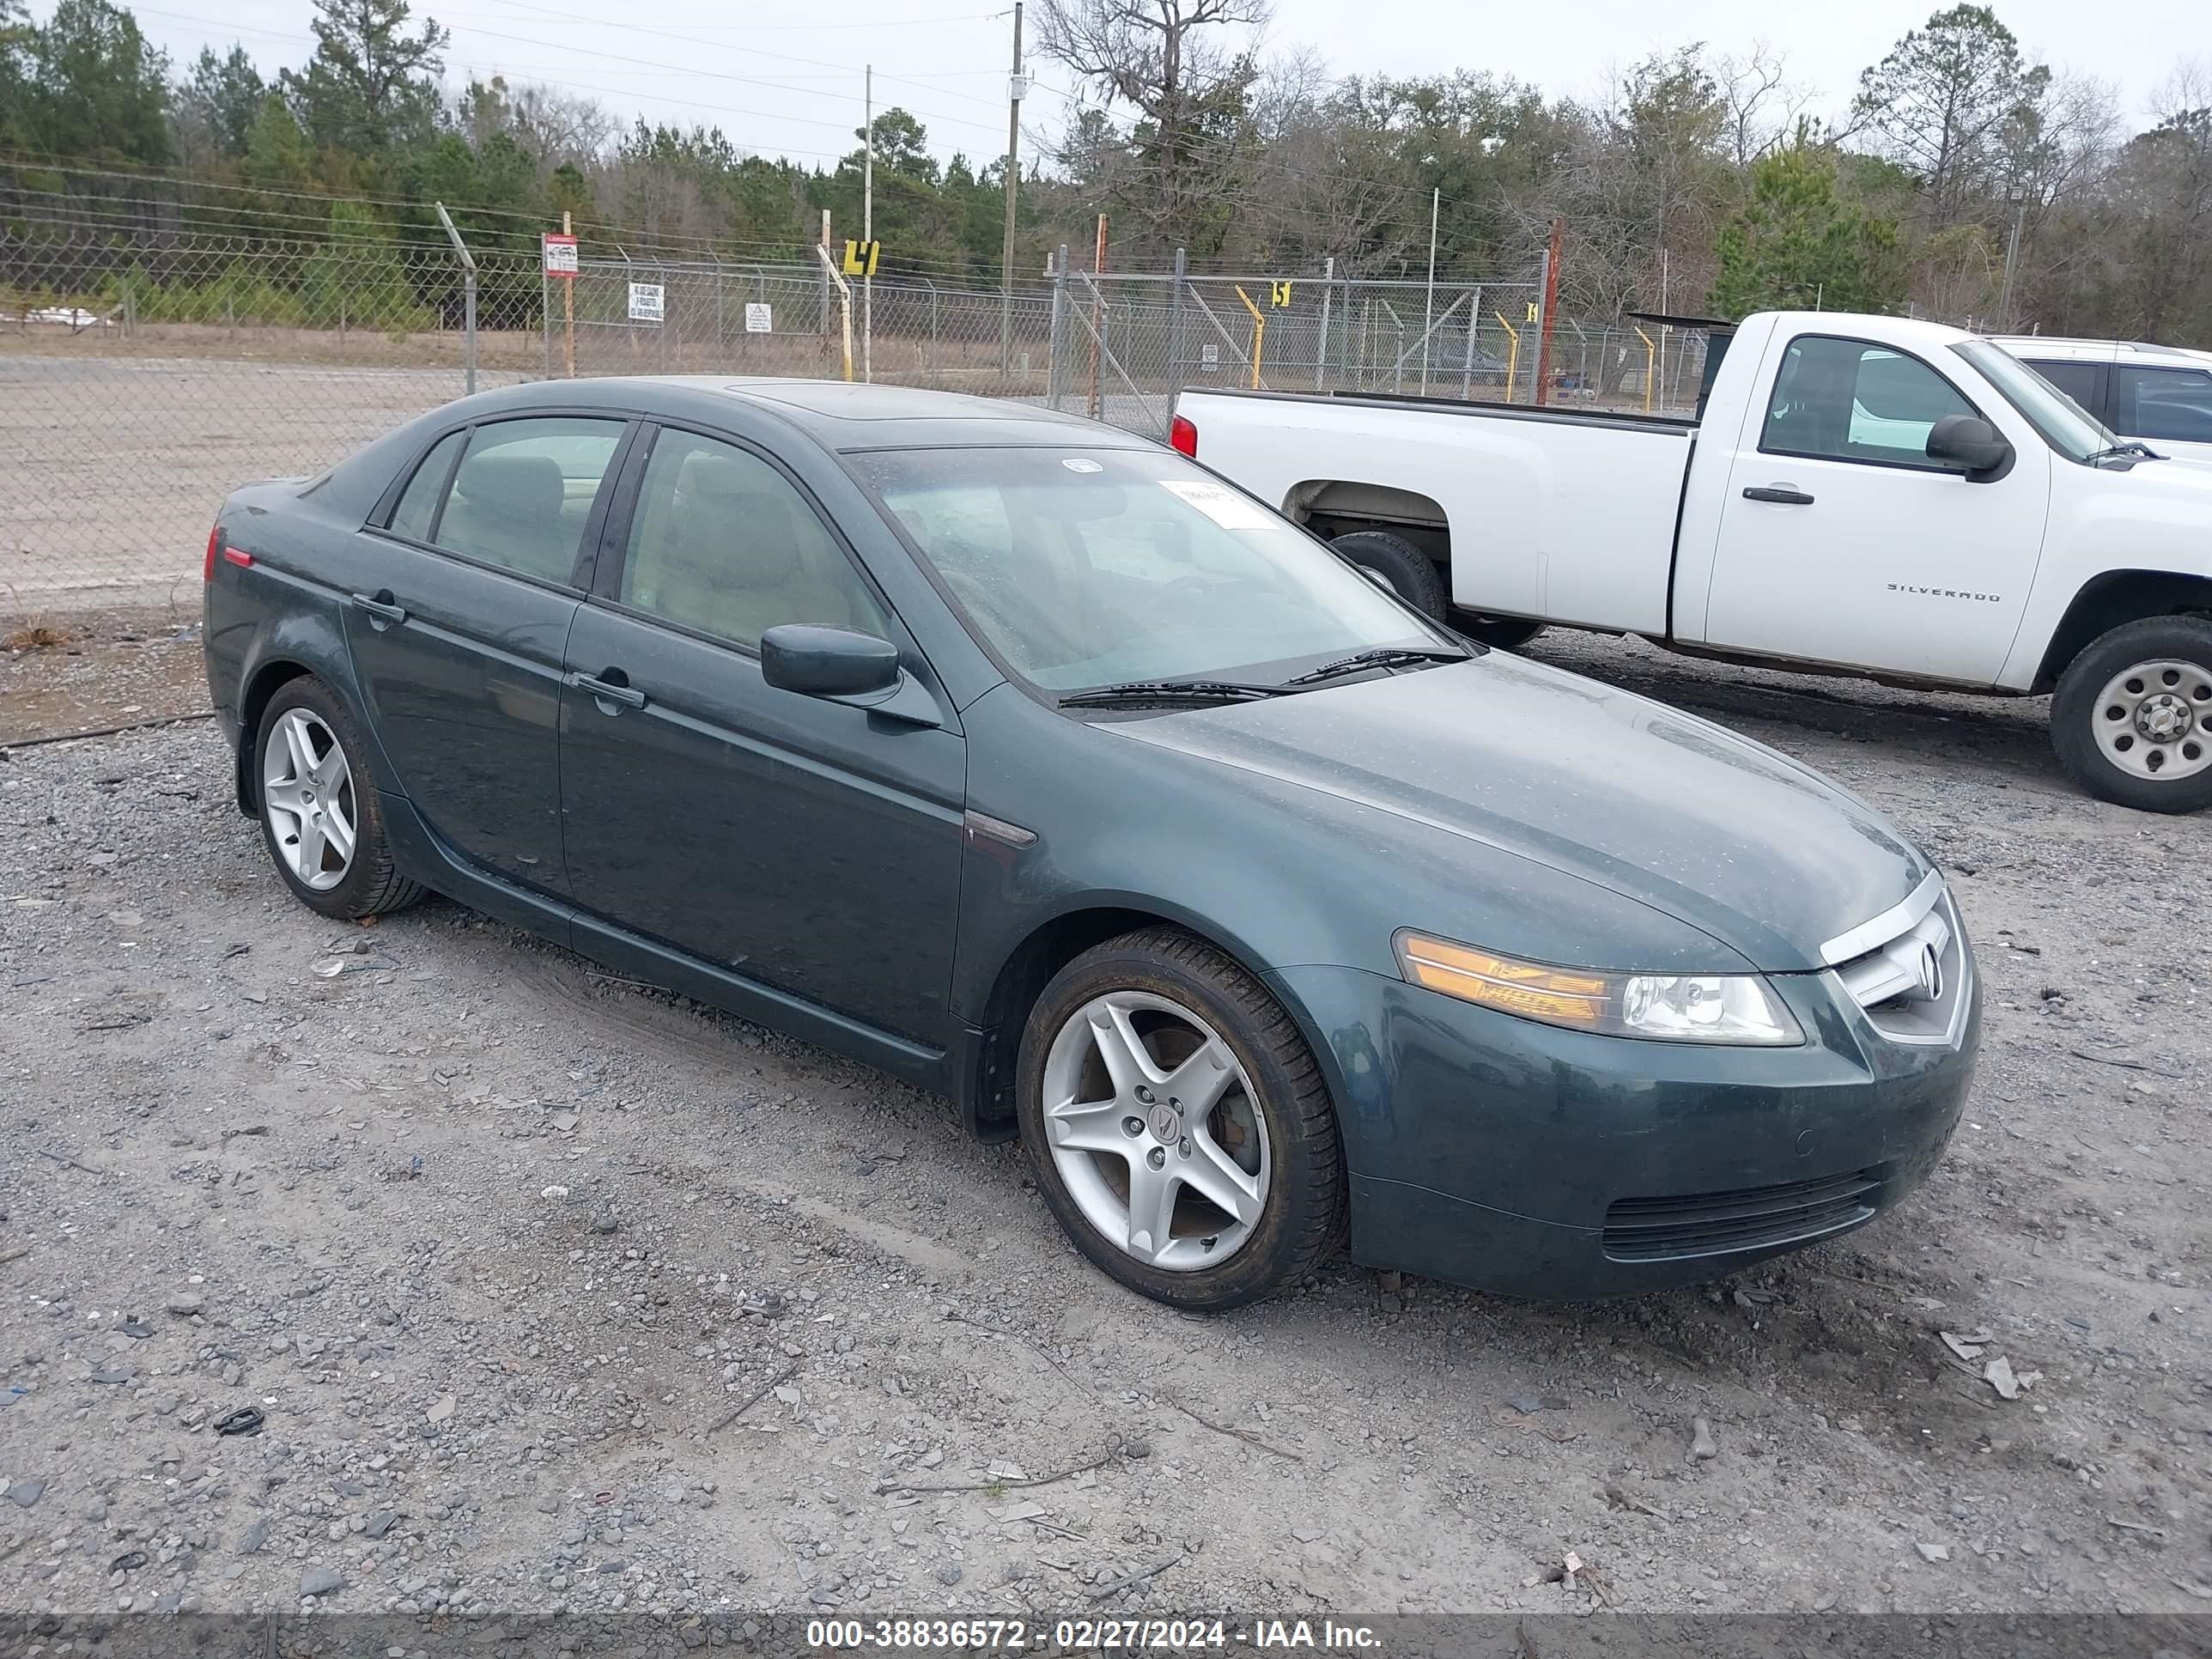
1536	1161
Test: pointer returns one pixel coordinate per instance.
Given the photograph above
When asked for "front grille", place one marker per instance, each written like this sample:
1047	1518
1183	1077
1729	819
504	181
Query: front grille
1751	1218
1890	982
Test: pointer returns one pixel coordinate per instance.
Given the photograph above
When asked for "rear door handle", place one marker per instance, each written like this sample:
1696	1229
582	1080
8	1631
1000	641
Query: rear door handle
1787	494
382	612
617	690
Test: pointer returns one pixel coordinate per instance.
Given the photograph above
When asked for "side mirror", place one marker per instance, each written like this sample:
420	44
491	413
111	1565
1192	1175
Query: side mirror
827	662
1971	444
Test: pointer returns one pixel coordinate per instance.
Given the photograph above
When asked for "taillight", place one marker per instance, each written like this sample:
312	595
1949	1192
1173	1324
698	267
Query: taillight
207	565
1182	436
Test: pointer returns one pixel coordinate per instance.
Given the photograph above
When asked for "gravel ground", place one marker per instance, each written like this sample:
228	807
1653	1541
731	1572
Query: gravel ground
557	1292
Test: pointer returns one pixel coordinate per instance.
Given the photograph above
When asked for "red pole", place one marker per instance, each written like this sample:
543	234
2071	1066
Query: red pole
1550	311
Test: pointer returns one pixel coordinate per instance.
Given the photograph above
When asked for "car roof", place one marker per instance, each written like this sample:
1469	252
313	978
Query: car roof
847	416
2064	349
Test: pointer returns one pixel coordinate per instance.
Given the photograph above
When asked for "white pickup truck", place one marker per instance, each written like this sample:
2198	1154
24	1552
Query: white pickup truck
1869	495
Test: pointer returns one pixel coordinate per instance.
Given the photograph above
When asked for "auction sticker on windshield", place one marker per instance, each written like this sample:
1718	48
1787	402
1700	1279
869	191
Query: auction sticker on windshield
1224	506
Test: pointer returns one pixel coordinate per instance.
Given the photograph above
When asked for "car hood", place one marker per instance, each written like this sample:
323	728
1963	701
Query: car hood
1656	805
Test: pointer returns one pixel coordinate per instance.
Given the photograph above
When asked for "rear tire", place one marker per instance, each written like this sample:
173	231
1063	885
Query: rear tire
321	819
2132	720
1393	562
1227	1103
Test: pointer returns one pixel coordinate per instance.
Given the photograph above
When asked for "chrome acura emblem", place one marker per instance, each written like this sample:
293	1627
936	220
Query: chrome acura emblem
1167	1123
1931	974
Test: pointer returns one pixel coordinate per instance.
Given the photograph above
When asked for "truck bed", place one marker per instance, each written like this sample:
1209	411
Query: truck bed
1566	515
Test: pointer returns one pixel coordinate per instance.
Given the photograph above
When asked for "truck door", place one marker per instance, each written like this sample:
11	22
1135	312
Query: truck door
1840	541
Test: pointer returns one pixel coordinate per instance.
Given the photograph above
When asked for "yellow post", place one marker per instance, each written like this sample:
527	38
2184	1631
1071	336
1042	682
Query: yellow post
1650	367
1259	331
1512	355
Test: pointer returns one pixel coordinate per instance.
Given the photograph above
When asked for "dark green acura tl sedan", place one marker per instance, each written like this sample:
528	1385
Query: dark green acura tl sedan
1035	765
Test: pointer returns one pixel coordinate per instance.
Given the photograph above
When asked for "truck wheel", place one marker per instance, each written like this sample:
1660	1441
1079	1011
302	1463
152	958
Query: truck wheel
2132	721
1506	633
1178	1125
1398	565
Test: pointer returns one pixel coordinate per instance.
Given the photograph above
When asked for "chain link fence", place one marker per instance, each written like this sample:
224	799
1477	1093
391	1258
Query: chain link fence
144	375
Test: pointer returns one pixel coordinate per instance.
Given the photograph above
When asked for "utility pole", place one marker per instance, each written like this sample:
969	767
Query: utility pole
2011	254
1550	300
1016	88
868	226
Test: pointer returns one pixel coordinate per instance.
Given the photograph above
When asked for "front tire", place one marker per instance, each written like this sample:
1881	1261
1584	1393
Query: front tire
321	816
2132	720
1177	1124
1395	563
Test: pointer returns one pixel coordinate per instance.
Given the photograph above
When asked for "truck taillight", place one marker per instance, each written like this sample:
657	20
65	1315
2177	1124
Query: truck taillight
1182	436
207	565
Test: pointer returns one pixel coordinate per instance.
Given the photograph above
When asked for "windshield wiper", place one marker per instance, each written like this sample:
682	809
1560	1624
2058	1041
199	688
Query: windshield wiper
2116	451
1388	656
1158	691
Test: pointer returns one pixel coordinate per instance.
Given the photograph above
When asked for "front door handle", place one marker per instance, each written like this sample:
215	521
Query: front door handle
382	612
611	689
1787	494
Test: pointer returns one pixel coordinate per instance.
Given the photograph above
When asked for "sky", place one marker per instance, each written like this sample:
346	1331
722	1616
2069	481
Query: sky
788	80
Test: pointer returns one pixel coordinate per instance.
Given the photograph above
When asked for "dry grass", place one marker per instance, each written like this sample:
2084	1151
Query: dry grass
36	637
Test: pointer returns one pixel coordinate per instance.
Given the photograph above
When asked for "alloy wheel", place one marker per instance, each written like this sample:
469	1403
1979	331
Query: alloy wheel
2154	720
1153	1125
307	797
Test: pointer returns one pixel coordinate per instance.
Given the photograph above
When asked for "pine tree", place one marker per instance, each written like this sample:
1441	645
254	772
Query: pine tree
1797	245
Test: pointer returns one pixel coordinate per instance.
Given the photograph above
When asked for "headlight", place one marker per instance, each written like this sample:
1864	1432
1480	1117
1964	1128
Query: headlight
1733	1008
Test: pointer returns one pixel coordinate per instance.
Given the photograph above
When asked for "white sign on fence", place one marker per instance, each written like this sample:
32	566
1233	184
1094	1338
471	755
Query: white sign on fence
645	302
759	319
560	255
1209	355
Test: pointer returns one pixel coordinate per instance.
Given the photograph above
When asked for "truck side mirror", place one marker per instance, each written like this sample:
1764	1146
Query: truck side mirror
1971	444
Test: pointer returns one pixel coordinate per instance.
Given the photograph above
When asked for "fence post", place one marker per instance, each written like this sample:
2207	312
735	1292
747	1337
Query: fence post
1175	345
1467	364
130	309
545	311
468	296
1321	346
929	351
1053	375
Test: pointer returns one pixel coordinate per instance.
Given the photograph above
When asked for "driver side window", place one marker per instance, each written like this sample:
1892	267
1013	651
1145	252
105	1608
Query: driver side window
722	541
1851	400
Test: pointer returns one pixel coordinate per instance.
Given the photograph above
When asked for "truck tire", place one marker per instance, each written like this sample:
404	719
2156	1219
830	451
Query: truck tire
1506	633
1395	563
2132	720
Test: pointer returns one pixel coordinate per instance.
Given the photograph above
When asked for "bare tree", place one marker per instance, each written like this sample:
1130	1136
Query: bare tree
1761	104
1183	68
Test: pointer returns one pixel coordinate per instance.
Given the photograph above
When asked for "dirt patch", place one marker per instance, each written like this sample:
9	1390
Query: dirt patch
86	673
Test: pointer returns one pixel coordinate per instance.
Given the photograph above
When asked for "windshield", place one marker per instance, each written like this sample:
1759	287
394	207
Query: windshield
2062	423
1088	567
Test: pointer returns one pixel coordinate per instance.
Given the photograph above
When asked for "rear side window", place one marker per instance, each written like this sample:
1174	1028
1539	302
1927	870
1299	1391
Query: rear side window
2077	380
1851	400
2172	403
524	491
416	515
